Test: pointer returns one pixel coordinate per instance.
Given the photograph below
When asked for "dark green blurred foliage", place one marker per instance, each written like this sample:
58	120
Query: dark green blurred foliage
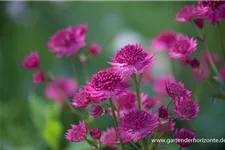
31	122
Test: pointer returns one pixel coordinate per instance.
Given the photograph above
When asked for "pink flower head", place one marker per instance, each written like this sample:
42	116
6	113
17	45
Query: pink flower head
31	61
149	102
163	40
159	85
77	133
110	138
68	41
137	124
222	72
186	13
166	127
186	108
176	89
201	74
96	111
96	133
194	63
126	102
213	10
199	21
215	58
163	113
106	84
131	59
94	49
182	47
38	77
81	99
186	135
60	89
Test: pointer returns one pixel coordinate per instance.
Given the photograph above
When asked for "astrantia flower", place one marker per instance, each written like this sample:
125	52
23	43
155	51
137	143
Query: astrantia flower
68	41
149	102
31	61
214	10
166	127
137	124
163	40
186	108
176	89
131	59
81	99
159	84
186	13
96	133
182	47
215	58
201	73
38	77
186	135
94	49
109	137
222	72
60	89
126	102
163	112
96	111
77	133
106	84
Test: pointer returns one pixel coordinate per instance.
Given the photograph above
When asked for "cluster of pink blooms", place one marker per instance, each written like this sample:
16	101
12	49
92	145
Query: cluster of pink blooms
108	91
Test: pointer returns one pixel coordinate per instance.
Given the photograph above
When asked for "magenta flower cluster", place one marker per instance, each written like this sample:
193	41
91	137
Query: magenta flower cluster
109	91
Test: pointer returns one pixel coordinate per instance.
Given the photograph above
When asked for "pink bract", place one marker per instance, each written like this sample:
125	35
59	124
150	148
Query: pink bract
38	77
166	127
183	134
201	74
81	99
94	49
186	13
96	133
96	111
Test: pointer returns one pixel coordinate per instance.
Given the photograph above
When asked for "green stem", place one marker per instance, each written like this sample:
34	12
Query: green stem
100	145
171	100
144	144
206	49
85	70
221	40
180	148
134	145
137	87
116	123
152	144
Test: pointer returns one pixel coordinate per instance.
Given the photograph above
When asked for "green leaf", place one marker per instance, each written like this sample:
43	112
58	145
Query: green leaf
52	133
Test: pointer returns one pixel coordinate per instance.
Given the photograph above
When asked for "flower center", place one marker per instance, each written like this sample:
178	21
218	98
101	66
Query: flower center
176	89
182	46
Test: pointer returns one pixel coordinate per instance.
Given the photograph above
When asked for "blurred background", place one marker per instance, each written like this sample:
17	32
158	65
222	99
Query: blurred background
29	121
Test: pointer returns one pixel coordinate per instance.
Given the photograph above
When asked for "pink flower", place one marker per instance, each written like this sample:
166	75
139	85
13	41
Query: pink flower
131	59
68	41
38	77
159	84
149	102
163	40
106	84
60	89
176	89
186	108
126	102
163	113
194	63
146	76
201	74
222	72
110	138
96	133
81	99
213	10
94	49
31	61
77	133
215	58
138	124
182	47
183	134
186	13
96	111
199	21
166	127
